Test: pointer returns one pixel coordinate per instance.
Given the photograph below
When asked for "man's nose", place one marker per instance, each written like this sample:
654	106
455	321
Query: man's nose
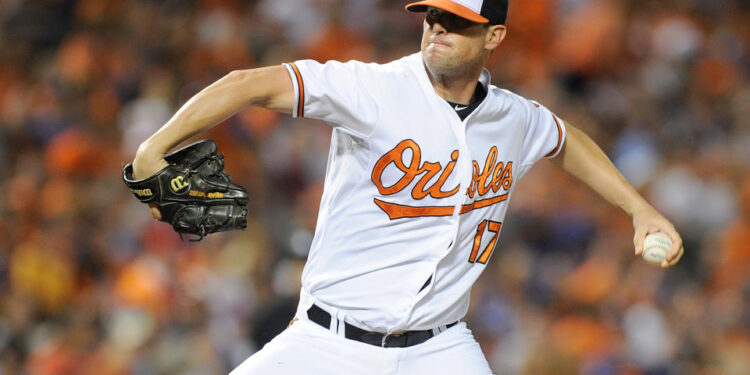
438	28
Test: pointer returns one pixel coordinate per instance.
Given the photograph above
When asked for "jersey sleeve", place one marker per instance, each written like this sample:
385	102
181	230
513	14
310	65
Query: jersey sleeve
545	133
335	92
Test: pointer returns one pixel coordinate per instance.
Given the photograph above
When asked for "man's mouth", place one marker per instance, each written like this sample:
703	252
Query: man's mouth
440	41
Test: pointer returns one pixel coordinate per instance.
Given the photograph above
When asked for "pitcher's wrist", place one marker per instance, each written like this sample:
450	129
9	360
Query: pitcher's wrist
636	206
147	162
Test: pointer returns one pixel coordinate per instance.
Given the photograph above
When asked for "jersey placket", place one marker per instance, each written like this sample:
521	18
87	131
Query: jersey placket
464	168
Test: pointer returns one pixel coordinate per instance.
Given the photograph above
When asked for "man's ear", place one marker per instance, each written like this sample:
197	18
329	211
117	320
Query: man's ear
495	36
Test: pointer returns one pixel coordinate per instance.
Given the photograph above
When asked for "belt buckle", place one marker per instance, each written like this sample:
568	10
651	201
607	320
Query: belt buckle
385	337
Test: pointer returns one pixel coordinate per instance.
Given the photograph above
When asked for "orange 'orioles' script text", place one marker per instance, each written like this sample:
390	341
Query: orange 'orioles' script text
494	176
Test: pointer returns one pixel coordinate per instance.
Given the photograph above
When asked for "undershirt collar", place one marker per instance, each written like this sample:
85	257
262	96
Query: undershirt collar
464	110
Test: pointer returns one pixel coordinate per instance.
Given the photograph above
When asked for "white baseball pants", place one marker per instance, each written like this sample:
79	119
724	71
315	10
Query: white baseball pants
307	348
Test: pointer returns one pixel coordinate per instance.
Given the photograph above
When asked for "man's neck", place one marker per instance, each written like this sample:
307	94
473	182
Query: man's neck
456	88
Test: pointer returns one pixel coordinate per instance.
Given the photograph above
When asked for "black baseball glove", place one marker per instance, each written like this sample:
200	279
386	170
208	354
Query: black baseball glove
193	193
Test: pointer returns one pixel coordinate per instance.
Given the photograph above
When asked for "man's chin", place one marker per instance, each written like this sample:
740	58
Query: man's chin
436	62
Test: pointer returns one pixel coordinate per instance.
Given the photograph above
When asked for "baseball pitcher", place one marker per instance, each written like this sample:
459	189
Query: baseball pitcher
425	156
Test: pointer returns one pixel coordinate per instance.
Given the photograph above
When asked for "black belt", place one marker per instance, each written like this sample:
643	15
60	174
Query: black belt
401	340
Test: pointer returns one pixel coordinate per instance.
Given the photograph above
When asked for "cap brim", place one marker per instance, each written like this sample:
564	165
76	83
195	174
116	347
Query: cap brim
448	6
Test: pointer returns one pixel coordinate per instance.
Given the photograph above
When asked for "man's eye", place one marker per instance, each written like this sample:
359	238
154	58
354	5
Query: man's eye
461	22
433	14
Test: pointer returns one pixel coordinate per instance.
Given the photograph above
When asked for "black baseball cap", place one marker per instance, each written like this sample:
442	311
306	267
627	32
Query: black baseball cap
493	12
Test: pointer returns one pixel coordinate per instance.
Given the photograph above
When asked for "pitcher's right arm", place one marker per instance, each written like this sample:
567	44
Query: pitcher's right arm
270	87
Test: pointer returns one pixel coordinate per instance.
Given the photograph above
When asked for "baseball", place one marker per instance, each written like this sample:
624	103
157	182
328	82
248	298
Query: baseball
656	246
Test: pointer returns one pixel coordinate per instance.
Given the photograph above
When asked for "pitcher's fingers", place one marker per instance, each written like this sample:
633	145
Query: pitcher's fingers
674	261
640	234
676	245
155	211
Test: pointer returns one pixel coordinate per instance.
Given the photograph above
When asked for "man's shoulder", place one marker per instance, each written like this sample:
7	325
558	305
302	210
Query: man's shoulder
409	61
505	96
376	70
511	98
504	93
401	65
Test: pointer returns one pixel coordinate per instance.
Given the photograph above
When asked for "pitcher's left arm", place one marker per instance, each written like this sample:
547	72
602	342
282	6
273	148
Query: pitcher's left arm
581	157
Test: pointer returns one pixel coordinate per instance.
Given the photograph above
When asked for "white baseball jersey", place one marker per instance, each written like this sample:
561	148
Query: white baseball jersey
414	198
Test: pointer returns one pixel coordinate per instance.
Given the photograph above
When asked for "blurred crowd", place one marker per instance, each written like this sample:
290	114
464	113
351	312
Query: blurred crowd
90	284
